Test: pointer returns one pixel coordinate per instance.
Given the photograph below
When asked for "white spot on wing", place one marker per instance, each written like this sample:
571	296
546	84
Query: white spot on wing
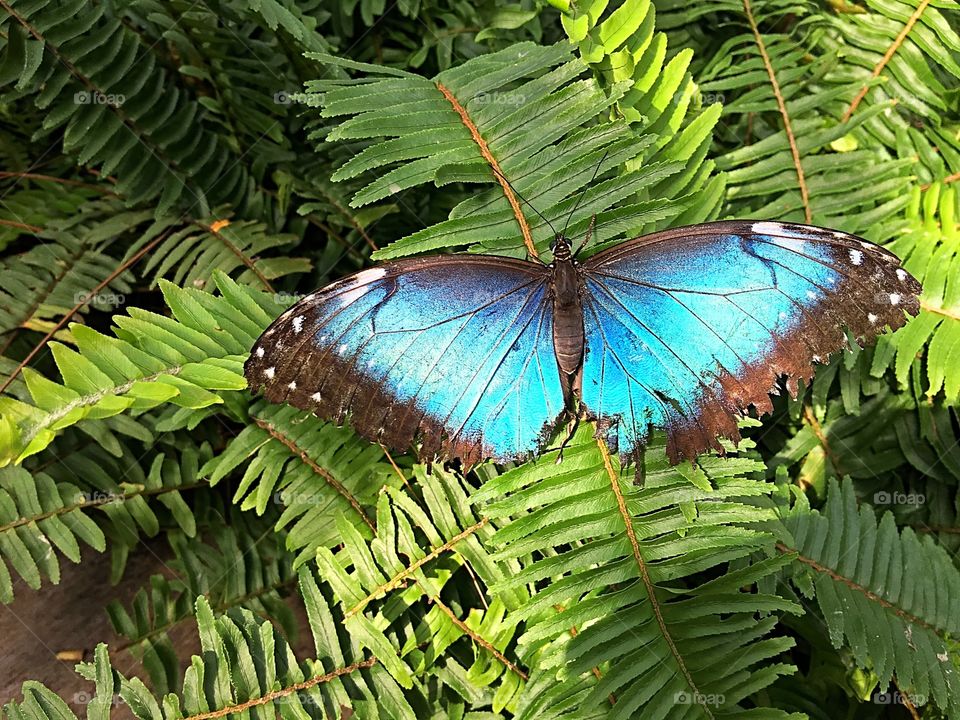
816	358
369	275
292	385
342	349
270	372
358	284
259	352
767	228
786	237
856	257
901	274
315	396
894	298
298	323
811	295
872	318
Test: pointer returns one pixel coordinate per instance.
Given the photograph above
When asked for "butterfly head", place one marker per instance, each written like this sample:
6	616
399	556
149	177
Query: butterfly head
560	248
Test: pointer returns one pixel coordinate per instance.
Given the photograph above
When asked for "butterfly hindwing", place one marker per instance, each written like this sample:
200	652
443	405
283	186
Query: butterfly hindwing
453	352
686	328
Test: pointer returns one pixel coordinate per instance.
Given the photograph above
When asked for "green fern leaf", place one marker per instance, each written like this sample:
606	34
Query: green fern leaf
889	596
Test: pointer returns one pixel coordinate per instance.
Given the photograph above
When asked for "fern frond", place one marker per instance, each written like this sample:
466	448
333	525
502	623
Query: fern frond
91	497
793	159
890	596
316	471
621	45
465	125
241	249
71	261
153	359
236	566
118	109
930	249
906	57
30	203
38	515
246	666
375	586
618	558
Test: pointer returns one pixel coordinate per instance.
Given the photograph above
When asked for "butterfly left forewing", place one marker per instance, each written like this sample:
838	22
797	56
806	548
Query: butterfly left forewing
450	352
687	328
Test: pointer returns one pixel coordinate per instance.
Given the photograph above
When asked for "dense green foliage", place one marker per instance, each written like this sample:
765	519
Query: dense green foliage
176	173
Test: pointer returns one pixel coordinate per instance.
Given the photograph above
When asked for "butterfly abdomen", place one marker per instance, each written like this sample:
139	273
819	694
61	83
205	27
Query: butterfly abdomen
566	285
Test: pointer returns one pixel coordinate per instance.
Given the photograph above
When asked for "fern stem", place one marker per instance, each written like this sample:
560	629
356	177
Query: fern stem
407	571
907	703
215	231
894	46
497	172
645	576
96	502
817	429
396	469
479	640
946	529
867	593
781	104
927	307
348	215
221	608
50	178
945	181
55	50
277	694
35	229
89	296
322	472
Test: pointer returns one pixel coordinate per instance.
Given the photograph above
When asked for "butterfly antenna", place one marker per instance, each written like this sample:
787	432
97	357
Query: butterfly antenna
517	193
577	204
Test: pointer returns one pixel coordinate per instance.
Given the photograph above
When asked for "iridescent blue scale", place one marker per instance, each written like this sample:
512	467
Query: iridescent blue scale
479	357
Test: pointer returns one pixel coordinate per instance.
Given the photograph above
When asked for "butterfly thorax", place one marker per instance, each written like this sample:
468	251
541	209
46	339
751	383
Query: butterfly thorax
566	285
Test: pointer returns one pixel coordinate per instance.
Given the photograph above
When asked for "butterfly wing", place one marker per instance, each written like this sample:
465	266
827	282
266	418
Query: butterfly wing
453	352
686	328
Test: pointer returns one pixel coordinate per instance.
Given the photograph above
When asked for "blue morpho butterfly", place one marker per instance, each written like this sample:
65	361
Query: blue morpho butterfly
478	356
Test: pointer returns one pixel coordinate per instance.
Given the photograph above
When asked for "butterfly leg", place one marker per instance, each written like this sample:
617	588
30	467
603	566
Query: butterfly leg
640	474
571	431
